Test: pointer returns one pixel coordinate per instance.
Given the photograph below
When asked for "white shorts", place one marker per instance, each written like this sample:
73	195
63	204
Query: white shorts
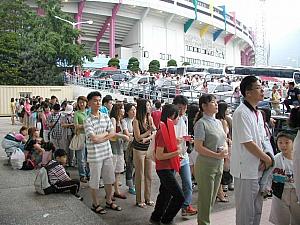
119	163
104	169
193	157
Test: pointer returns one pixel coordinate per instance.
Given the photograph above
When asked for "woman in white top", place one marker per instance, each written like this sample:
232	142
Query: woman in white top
129	115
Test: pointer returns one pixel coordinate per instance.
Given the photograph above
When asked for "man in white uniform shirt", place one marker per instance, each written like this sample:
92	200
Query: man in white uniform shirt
248	160
181	130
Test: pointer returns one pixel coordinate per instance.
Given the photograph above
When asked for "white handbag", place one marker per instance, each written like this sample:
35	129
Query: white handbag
77	142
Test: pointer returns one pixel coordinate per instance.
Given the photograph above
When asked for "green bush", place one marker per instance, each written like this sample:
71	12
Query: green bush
114	62
172	62
133	64
154	66
186	64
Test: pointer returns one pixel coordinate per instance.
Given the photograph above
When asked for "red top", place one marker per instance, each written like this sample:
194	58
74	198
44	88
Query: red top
156	115
169	143
159	142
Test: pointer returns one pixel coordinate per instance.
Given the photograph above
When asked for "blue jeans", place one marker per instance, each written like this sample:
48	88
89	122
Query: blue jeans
186	179
83	168
169	199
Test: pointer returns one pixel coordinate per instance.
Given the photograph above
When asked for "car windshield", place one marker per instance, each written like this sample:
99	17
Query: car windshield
134	80
211	88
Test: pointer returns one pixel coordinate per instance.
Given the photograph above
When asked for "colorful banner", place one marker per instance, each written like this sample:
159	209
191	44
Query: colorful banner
188	24
216	34
204	30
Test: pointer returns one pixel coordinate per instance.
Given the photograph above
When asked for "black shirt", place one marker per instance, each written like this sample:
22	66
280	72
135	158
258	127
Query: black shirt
293	94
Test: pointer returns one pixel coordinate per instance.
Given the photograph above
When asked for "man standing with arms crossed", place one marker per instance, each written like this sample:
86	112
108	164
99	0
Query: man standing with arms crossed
248	160
99	129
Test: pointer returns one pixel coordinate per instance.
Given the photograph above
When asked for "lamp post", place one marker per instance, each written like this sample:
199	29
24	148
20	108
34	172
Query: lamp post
74	26
73	23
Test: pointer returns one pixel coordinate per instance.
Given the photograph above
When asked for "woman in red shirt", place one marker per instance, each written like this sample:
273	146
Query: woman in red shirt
170	198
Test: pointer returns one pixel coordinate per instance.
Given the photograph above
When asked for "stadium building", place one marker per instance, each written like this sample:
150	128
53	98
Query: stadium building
192	31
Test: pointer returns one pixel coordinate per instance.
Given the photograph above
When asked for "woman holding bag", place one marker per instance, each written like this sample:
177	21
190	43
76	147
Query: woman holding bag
170	198
79	117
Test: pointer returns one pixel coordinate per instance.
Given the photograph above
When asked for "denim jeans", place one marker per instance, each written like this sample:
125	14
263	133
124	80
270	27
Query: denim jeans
83	168
186	179
170	198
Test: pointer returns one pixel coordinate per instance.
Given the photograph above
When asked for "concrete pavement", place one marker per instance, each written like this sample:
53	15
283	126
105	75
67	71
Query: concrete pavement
19	204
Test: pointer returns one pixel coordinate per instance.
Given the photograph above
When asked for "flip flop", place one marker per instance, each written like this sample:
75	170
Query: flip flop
98	209
113	206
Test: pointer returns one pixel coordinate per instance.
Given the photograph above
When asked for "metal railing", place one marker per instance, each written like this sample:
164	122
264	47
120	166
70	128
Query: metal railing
147	91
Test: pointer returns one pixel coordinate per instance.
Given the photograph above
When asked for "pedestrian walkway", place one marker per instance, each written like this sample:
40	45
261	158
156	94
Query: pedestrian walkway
19	204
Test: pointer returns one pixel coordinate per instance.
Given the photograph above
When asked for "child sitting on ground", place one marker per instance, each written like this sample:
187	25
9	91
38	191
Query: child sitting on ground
58	177
284	209
21	136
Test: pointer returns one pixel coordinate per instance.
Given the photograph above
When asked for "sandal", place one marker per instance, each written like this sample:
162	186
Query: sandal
223	200
141	205
150	203
98	209
113	206
122	196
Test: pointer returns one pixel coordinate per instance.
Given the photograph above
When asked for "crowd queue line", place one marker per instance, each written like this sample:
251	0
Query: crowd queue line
199	141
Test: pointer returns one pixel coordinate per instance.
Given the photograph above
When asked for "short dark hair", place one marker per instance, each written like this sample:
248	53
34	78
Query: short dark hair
292	83
56	107
106	99
59	153
246	84
286	134
157	104
53	97
180	99
93	94
169	111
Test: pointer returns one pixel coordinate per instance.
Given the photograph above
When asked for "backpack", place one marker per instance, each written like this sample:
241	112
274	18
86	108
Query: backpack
42	180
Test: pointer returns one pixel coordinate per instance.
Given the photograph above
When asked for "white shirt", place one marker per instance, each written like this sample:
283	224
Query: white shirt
246	127
181	129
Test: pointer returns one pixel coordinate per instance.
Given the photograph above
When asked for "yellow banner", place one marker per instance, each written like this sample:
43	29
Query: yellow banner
204	30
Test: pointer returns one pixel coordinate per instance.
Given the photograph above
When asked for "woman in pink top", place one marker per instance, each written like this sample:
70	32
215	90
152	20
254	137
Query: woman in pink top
44	115
27	107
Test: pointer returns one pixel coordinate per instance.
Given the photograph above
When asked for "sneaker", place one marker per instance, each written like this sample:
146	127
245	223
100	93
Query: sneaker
132	191
80	198
189	211
225	188
231	187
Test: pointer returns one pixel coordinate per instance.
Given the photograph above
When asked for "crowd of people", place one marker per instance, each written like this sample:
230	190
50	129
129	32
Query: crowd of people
202	143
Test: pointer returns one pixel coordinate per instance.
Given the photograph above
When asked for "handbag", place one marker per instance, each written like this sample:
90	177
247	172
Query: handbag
77	142
151	149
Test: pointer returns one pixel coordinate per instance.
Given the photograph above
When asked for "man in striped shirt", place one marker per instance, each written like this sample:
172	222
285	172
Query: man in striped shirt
99	129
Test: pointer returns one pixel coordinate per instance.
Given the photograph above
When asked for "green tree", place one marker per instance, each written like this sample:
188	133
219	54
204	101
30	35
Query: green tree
133	64
114	62
172	62
186	64
154	66
38	43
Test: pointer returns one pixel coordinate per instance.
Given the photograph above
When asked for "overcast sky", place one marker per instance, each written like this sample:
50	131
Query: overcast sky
282	26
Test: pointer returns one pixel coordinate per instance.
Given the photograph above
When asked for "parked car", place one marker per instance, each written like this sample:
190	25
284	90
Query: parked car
136	85
222	91
169	89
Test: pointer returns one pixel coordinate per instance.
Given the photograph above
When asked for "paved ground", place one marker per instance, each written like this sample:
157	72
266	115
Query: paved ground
19	204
